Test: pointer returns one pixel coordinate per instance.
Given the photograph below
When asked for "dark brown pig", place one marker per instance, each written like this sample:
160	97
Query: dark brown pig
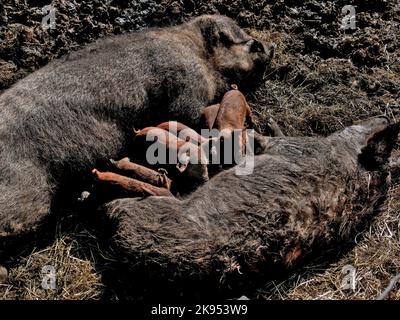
61	120
307	197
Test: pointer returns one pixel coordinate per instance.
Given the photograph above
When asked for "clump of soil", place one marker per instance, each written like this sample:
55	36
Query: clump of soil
27	45
323	78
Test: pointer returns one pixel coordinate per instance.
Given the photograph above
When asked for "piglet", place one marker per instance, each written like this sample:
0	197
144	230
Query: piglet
233	113
183	132
171	150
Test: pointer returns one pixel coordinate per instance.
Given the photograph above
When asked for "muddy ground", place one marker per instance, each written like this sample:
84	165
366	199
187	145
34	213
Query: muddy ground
323	78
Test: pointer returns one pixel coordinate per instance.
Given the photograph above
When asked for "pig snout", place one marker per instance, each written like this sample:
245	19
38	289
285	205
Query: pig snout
256	46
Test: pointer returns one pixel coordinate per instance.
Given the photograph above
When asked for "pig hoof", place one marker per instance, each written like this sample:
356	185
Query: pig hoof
84	196
162	171
96	173
3	275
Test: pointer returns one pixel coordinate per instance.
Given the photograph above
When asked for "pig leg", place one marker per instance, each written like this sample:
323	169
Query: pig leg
244	142
3	275
275	129
132	186
237	146
136	171
249	117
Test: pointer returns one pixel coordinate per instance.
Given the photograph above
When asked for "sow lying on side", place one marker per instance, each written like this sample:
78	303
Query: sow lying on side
306	195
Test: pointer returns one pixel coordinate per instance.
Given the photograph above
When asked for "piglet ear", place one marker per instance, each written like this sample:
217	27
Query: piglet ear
378	147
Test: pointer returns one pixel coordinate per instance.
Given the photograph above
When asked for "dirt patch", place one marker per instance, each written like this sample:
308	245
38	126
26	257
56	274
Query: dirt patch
322	79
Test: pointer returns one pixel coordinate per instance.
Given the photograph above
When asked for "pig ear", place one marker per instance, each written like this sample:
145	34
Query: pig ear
135	131
219	29
209	31
181	167
378	147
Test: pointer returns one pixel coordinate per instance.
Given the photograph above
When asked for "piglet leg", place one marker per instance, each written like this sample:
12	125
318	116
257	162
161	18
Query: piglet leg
132	186
137	171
